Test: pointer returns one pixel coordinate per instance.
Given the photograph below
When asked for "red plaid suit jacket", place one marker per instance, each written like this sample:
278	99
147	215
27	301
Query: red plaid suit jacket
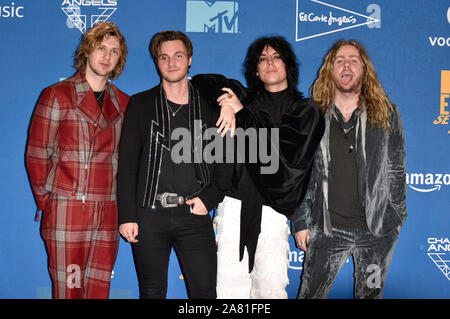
72	146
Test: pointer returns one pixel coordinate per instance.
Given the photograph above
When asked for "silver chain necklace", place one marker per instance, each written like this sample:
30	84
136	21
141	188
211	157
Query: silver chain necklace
174	113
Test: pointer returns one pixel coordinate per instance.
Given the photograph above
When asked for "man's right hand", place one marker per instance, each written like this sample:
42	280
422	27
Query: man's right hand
129	231
302	239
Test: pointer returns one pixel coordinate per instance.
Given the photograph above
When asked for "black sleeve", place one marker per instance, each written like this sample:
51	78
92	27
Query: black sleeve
211	196
209	87
129	155
300	132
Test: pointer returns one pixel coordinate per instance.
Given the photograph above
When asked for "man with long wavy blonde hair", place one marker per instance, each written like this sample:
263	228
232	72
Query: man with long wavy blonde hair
356	201
377	102
72	159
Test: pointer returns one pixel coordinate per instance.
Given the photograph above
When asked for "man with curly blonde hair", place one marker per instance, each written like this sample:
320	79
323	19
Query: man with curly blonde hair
72	159
356	200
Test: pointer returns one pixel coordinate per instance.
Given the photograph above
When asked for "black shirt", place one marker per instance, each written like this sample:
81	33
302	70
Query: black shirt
100	96
345	208
178	178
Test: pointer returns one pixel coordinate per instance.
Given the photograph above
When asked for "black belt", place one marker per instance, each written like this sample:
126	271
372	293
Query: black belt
170	199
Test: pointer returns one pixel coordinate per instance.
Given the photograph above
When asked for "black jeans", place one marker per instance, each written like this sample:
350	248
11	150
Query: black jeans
326	255
192	237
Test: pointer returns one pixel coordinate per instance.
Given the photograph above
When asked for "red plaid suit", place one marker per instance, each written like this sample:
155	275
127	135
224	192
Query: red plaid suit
72	157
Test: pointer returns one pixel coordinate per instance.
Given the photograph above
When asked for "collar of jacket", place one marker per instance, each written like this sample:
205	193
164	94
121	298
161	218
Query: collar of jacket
360	128
86	102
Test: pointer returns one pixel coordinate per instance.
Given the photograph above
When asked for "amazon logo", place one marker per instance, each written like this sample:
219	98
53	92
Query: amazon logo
426	183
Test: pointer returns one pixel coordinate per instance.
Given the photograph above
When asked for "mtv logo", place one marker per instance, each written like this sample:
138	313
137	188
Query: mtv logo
212	16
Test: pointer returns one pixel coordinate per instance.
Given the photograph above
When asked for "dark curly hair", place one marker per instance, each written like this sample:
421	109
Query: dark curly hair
286	53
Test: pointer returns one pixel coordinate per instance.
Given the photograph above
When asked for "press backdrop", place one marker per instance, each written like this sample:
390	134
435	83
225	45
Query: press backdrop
408	41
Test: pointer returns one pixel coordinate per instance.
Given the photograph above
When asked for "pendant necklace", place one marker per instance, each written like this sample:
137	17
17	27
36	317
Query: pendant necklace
174	113
346	126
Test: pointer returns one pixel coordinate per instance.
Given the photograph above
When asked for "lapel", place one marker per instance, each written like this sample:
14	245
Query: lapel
87	105
85	101
325	142
373	142
361	130
361	157
110	108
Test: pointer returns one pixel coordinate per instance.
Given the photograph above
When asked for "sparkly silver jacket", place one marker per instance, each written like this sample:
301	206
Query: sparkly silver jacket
380	161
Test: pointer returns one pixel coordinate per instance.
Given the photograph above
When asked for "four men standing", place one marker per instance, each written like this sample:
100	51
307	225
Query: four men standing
355	202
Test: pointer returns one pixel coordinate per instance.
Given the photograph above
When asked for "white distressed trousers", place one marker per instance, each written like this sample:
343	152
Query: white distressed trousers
269	277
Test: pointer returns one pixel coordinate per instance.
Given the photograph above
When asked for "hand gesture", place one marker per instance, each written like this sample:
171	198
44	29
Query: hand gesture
197	208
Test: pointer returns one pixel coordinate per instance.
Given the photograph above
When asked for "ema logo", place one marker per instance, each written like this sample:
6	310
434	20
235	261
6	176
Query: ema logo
320	18
426	183
444	110
101	10
438	250
212	16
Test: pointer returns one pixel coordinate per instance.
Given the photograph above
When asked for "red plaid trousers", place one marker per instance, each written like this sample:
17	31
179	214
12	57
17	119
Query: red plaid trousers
82	243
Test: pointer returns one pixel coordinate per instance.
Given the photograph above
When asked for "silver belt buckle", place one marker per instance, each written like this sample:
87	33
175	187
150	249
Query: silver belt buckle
174	199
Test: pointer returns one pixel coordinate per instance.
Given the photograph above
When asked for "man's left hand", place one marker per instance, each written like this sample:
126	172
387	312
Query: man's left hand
226	121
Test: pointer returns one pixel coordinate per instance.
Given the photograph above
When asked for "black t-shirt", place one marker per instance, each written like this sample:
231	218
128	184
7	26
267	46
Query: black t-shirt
100	96
178	178
345	208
